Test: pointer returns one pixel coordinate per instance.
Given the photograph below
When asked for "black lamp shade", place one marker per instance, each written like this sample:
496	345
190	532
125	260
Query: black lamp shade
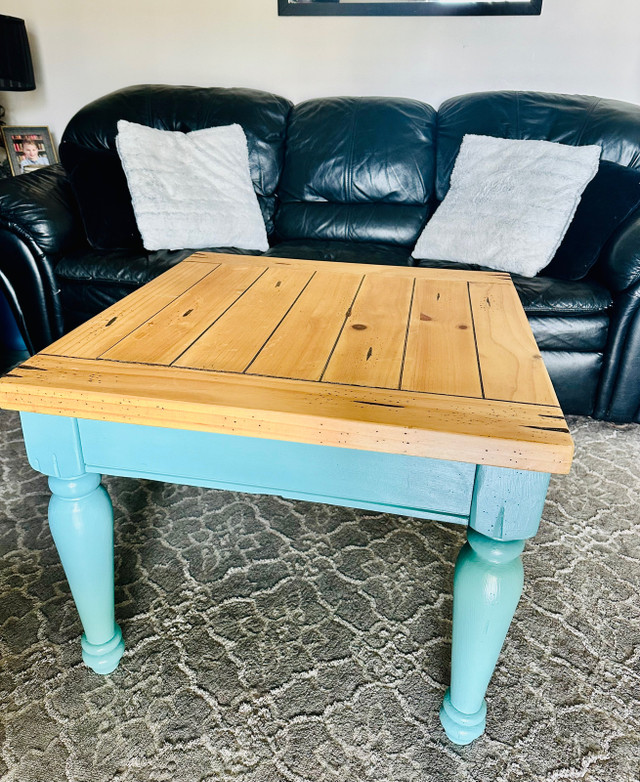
16	70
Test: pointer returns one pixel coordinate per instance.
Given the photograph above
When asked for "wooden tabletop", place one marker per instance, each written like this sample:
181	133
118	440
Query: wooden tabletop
427	362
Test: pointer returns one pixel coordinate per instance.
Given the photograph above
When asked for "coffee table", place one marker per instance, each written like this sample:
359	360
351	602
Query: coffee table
406	390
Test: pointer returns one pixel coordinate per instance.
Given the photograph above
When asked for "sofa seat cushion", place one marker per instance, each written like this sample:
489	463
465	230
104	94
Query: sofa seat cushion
92	280
546	295
575	377
586	333
346	252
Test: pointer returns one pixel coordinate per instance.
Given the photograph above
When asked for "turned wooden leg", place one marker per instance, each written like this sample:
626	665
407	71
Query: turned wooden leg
81	522
506	509
486	589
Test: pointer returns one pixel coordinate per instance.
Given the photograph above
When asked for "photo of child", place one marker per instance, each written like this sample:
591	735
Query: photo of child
29	149
32	154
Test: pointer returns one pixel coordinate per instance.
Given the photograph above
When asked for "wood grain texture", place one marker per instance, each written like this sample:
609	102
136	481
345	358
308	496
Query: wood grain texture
166	335
504	434
234	340
312	352
302	344
441	350
104	330
370	349
510	362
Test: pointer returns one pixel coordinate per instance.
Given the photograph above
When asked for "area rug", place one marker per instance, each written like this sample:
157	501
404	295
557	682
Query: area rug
279	641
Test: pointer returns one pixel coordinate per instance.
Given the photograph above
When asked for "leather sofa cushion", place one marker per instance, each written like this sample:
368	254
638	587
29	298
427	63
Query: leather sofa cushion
125	267
548	296
384	223
345	252
619	264
581	333
357	169
134	268
575	378
88	152
611	196
568	119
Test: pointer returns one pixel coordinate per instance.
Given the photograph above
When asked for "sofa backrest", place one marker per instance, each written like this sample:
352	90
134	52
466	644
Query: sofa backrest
359	169
88	151
568	119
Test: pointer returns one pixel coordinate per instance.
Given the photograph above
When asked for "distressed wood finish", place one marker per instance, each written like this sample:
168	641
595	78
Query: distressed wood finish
429	488
169	332
441	346
301	346
370	350
106	329
305	351
510	362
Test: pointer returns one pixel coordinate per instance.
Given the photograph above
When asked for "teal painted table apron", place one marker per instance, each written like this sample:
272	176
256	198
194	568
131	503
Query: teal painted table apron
412	391
501	506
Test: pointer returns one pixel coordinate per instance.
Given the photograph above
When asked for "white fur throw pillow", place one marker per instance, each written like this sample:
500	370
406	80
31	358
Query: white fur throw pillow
509	204
191	190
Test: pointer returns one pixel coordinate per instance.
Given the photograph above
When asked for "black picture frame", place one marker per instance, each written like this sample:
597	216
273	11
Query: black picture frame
16	136
412	8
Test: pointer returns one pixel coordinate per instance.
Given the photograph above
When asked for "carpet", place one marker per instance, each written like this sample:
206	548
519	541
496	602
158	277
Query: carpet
279	641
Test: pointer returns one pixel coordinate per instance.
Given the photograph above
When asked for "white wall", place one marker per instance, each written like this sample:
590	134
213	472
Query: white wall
85	48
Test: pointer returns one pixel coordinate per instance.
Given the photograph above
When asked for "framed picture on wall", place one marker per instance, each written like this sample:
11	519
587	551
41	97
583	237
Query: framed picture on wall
408	7
28	148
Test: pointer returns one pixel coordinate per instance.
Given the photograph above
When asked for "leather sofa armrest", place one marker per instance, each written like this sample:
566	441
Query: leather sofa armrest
619	390
619	264
39	221
40	207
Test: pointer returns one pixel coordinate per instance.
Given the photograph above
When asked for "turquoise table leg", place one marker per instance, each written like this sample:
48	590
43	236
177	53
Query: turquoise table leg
487	586
81	522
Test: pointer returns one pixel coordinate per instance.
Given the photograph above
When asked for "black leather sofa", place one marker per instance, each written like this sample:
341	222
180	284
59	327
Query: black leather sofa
349	179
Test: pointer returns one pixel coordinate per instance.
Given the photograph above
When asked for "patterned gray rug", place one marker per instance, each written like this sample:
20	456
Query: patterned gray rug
277	641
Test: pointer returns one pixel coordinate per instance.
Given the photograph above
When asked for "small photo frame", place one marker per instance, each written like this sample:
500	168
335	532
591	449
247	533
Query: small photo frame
28	148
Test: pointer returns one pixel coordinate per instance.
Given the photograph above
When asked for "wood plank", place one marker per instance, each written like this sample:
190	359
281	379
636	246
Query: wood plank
503	434
511	366
441	350
370	348
169	333
302	343
104	330
234	340
414	272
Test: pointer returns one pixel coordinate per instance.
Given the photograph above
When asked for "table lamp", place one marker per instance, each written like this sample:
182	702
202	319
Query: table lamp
16	69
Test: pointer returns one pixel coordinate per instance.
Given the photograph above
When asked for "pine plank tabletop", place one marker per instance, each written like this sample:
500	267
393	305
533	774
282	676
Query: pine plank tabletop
426	362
